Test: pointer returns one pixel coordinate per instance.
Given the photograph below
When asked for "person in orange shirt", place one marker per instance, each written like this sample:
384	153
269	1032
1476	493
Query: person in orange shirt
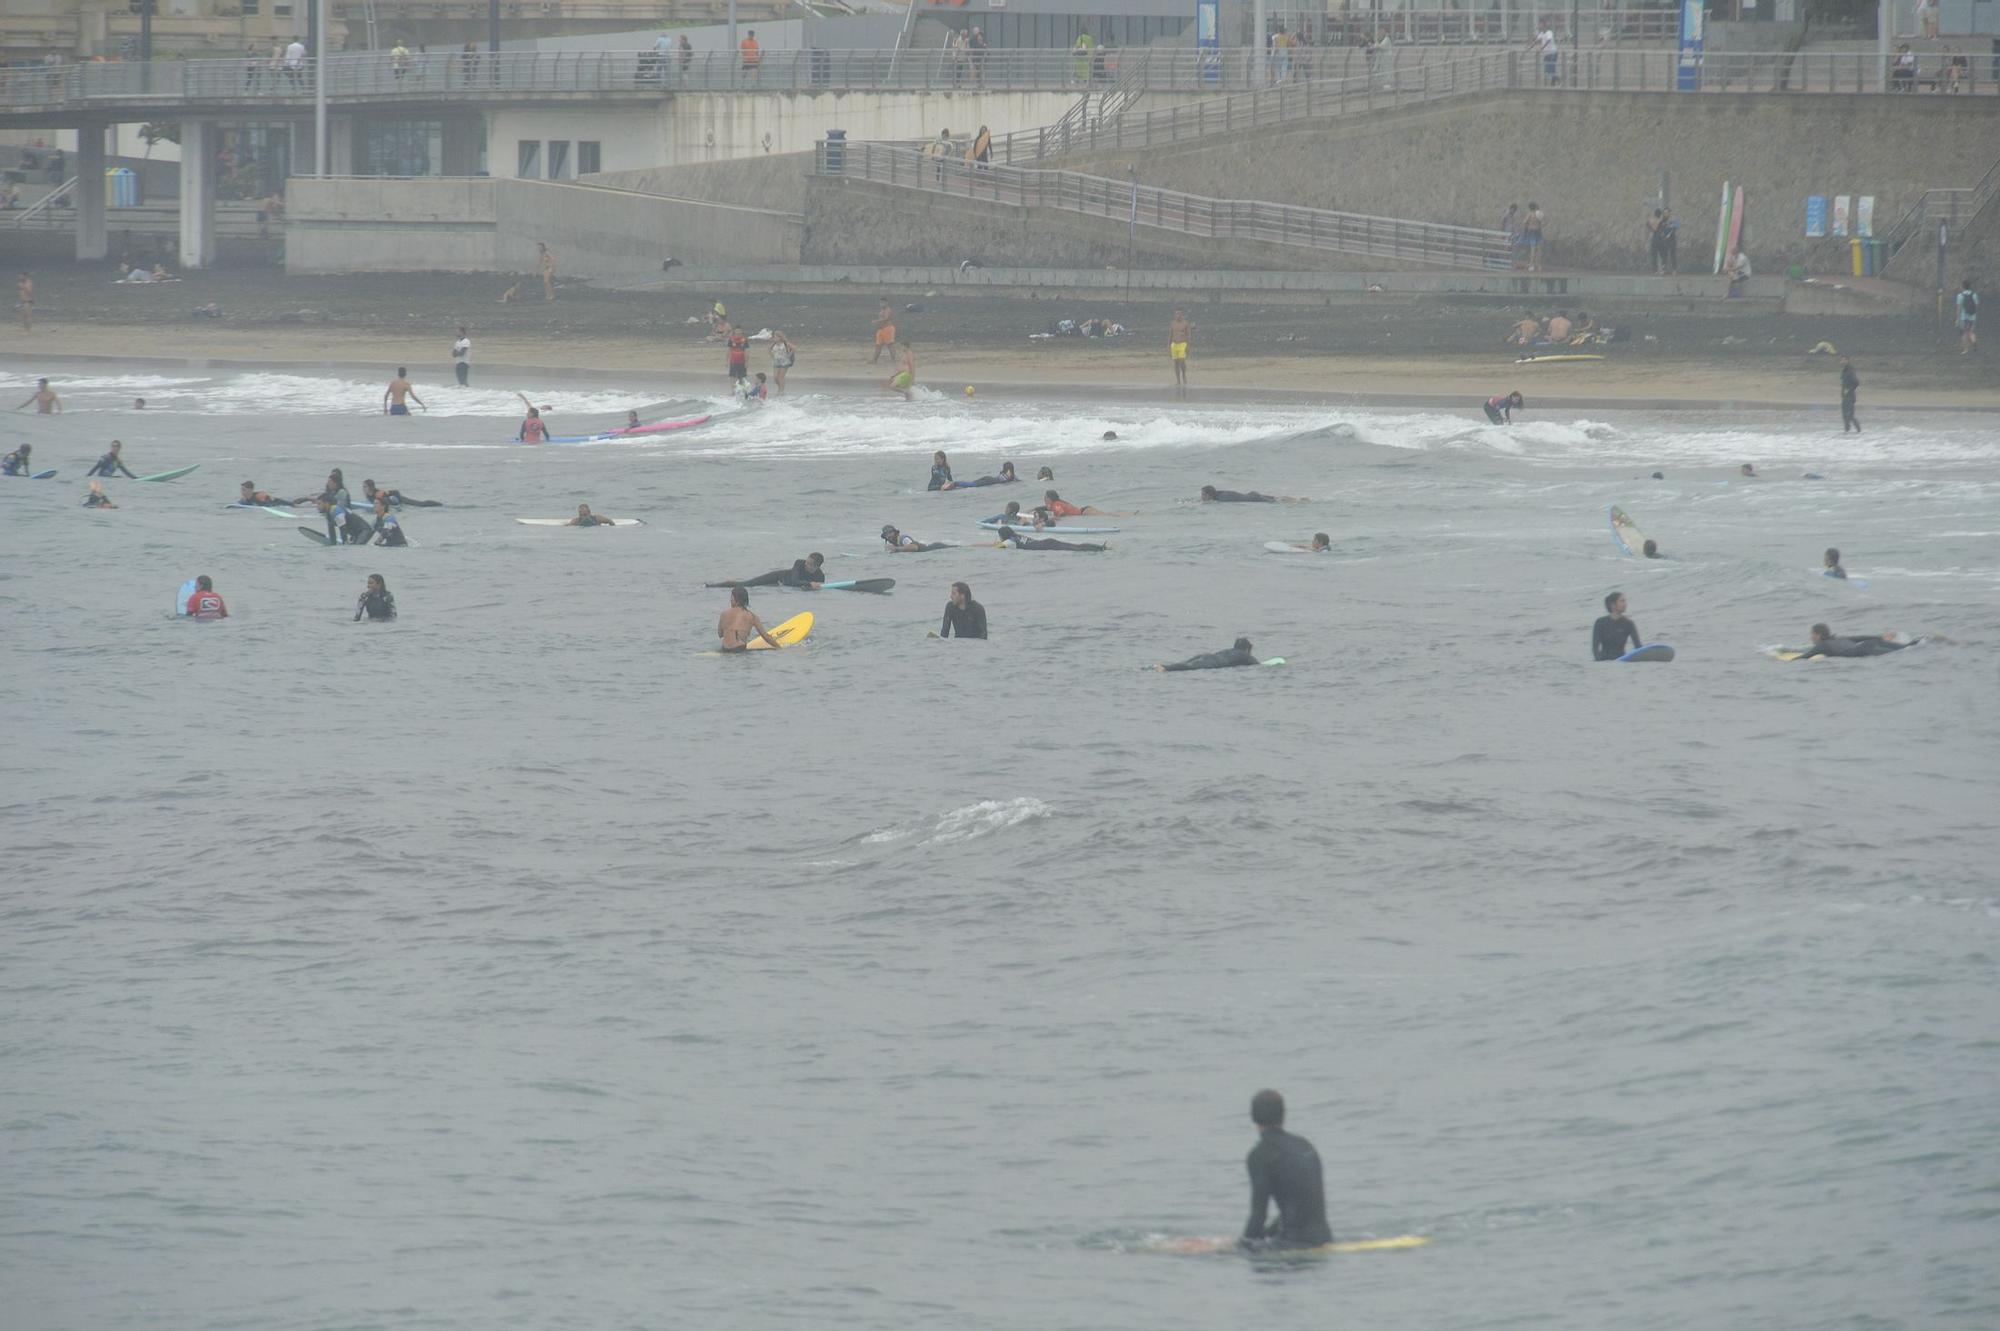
752	57
885	332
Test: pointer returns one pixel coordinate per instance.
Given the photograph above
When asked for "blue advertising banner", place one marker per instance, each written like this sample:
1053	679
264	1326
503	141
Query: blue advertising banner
1687	73
1208	39
1816	214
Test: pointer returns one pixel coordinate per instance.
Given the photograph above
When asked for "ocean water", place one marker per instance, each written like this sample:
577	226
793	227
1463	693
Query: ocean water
518	965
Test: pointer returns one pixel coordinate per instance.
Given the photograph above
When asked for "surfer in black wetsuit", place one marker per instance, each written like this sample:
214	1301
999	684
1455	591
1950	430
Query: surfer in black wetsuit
377	603
963	616
1833	568
111	464
1824	643
900	544
1238	655
396	498
806	574
1006	477
1008	538
1612	630
1284	1168
1211	495
387	530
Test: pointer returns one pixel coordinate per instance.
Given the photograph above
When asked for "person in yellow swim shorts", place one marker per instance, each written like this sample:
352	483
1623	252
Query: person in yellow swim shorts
1179	334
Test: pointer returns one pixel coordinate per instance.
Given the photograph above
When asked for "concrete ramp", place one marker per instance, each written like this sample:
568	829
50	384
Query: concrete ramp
372	224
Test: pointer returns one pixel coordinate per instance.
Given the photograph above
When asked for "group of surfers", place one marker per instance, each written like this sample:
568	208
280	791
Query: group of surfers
375	603
1614	634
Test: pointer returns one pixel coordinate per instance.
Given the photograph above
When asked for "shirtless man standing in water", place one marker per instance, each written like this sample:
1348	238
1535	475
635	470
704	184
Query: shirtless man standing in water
398	389
737	622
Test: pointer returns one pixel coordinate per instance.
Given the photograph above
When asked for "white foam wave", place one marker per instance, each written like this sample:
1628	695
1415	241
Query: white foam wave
985	818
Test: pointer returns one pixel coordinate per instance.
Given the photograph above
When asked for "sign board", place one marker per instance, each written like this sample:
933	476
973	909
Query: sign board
1864	215
1816	214
1208	39
1840	202
1687	70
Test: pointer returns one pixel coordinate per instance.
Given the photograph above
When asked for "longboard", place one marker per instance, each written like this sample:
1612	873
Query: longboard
169	475
267	508
636	431
1294	548
1736	209
1027	528
1658	651
1550	360
1202	1247
602	521
1626	532
41	475
1722	227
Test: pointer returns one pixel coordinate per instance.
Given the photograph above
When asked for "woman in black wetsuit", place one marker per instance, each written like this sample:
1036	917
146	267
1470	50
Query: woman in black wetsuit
376	603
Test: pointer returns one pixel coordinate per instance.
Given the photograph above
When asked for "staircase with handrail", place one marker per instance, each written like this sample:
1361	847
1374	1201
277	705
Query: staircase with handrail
42	205
1954	209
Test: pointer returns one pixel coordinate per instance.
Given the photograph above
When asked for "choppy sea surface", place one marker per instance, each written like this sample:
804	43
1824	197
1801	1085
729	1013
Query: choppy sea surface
519	965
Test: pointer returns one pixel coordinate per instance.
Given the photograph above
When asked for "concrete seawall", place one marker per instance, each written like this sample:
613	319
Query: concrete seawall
488	225
1593	161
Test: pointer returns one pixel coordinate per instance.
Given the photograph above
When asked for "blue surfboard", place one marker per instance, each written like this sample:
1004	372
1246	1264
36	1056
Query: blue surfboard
1658	651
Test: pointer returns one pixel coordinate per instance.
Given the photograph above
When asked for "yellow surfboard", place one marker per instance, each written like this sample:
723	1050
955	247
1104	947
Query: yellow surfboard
1202	1246
789	634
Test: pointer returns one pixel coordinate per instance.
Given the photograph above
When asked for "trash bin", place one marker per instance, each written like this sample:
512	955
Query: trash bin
833	152
121	187
1855	247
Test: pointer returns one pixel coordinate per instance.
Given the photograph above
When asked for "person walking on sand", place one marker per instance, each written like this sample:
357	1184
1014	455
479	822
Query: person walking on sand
885	333
1180	332
461	357
1966	304
24	295
545	259
904	380
1531	235
1850	385
783	356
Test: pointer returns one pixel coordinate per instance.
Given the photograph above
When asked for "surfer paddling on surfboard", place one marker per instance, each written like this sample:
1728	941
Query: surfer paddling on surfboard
1609	635
1240	654
1284	1168
808	573
737	623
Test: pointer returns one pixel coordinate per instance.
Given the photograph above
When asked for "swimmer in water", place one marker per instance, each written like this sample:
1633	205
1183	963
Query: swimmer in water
398	389
1826	643
534	430
1211	495
737	623
44	399
1612	630
1500	408
112	463
585	518
97	498
1110	435
1045	474
1284	1169
806	574
1009	540
377	603
1651	549
1240	654
1747	470
1832	564
901	544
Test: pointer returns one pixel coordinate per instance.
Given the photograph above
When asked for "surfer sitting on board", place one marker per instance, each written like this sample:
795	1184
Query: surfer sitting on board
1833	568
16	462
585	518
1284	1168
1613	630
940	472
1500	408
205	603
387	530
111	464
1008	538
1211	495
1824	643
902	544
807	573
737	623
1240	654
963	616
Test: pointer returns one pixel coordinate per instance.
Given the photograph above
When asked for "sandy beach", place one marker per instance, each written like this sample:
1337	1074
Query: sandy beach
1417	353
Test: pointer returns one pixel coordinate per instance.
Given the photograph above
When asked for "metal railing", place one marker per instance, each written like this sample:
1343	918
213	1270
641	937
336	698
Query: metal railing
1433	24
1949	208
1432	244
42	206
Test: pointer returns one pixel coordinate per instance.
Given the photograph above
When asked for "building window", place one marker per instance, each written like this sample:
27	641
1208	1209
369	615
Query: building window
589	157
528	164
559	159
